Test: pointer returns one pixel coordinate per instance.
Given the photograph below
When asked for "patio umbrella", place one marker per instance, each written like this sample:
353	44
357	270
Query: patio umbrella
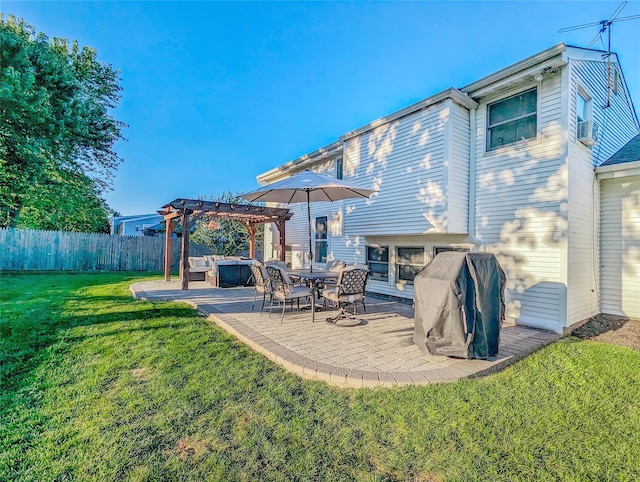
307	187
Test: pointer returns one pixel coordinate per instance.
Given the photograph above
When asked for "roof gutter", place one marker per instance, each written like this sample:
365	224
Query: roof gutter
529	62
450	93
615	171
324	153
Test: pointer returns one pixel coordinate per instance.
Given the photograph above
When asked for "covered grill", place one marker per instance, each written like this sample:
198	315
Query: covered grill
459	305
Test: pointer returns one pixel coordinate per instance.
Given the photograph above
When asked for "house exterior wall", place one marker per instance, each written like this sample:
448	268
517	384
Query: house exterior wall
536	201
406	161
620	238
617	126
133	225
353	250
618	122
420	164
521	193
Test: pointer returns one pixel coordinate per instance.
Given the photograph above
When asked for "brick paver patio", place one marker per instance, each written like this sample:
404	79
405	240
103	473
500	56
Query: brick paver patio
378	352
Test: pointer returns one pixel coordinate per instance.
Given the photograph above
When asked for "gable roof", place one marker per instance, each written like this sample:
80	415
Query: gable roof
630	152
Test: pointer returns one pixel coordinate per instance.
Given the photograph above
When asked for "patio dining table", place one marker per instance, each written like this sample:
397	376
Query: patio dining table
313	278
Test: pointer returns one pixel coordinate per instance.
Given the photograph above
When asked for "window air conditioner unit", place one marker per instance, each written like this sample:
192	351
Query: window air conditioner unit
588	132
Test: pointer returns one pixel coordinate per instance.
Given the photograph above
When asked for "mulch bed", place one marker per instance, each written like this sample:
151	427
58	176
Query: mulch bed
616	330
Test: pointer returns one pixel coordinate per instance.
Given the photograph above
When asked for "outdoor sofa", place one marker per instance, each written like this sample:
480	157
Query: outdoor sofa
221	271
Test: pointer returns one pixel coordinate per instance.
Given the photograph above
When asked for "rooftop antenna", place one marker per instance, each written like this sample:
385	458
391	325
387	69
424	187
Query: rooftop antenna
605	26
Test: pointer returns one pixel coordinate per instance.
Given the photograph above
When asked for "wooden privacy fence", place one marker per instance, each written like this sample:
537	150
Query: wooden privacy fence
26	249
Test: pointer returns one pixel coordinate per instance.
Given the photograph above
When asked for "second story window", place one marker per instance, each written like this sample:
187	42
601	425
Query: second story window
582	103
339	168
512	119
586	129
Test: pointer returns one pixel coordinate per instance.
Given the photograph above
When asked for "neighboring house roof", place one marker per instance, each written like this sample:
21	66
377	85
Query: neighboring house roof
630	152
624	163
136	217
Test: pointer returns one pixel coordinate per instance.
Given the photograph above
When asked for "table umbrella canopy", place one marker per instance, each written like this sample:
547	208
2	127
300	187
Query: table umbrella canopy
307	187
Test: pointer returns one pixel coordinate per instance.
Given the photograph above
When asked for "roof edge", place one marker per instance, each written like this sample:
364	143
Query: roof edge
450	93
612	171
324	153
514	68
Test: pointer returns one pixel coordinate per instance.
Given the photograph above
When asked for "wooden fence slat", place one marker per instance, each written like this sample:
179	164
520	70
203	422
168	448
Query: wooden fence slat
26	249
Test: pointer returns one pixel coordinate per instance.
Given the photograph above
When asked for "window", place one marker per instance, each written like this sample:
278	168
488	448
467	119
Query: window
582	103
339	168
409	262
442	249
321	240
586	129
378	262
512	119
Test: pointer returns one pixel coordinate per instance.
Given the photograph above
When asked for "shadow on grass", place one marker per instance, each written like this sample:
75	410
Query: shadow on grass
147	315
128	329
38	308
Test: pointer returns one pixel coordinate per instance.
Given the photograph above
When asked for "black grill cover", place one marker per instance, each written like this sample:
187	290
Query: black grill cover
459	305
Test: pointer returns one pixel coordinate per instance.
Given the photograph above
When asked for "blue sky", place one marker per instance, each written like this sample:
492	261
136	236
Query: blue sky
217	93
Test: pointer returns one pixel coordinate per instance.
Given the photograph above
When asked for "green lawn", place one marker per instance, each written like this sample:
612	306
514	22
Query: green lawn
97	386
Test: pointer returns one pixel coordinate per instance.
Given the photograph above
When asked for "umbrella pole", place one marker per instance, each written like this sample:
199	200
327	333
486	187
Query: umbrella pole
309	222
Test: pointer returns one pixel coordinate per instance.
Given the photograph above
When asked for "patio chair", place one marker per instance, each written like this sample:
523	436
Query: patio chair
335	265
283	290
262	283
349	290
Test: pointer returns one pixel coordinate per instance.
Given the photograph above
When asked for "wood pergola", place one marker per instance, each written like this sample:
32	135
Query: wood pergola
188	211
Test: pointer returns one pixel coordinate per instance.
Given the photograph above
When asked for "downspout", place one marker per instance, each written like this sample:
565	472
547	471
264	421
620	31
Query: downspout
472	180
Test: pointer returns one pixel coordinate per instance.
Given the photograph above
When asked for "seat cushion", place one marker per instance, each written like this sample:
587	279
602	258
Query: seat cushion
296	292
195	262
330	293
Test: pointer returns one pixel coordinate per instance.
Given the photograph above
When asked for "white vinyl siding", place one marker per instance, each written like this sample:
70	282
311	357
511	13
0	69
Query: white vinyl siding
458	171
582	276
620	246
297	235
420	168
536	202
617	122
590	78
520	190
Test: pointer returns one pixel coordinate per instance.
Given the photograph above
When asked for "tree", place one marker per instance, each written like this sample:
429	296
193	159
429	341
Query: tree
56	131
225	236
65	201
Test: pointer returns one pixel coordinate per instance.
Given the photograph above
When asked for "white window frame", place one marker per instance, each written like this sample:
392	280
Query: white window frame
388	262
588	103
318	240
488	127
339	168
445	249
588	112
397	262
